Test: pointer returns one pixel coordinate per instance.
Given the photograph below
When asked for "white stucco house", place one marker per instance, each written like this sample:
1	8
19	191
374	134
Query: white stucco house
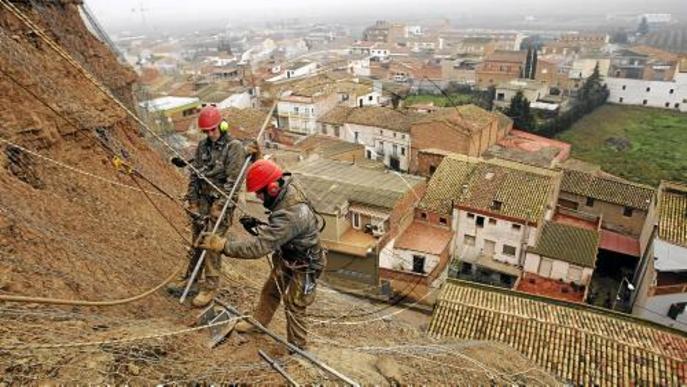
662	286
658	94
564	252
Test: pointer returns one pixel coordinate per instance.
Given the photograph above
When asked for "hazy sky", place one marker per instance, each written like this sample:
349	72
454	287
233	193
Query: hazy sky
118	14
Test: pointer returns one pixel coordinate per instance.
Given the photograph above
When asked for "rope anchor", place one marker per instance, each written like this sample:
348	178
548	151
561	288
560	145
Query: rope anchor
122	166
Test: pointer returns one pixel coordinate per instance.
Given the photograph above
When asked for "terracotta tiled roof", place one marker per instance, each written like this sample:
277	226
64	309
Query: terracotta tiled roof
424	238
465	118
568	243
380	117
607	189
507	56
672	213
336	116
331	184
445	186
244	124
582	345
496	186
328	146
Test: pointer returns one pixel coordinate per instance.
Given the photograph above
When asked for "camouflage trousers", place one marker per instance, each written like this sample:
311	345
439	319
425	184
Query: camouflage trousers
288	285
212	263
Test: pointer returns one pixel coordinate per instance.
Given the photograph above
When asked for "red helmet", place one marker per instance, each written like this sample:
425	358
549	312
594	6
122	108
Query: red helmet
209	118
263	173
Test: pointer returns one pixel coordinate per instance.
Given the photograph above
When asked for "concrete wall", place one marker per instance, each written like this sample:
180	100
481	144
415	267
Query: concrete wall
560	270
352	268
370	99
402	260
656	309
634	92
502	233
240	100
505	94
613	218
375	138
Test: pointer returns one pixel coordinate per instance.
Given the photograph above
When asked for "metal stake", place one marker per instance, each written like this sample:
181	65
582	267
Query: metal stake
278	368
199	264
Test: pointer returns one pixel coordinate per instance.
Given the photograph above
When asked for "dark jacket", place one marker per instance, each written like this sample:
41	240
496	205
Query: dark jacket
220	161
292	230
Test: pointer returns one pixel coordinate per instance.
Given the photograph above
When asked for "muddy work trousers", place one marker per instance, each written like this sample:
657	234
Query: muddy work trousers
212	263
287	284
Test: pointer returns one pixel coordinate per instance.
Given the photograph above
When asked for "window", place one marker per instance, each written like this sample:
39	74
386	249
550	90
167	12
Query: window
500	96
667	104
644	102
676	309
336	131
621	99
648	89
419	264
394	134
496	205
515	227
381	132
590	202
480	221
492	221
403	137
443	221
295	109
423	215
671	91
509	250
355	217
356	134
469	240
624	87
403	151
677	106
369	98
627	211
471	216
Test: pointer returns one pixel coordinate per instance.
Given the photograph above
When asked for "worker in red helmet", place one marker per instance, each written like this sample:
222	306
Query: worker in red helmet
219	157
292	235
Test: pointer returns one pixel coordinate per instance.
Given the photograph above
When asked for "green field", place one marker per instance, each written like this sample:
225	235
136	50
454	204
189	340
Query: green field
640	144
439	100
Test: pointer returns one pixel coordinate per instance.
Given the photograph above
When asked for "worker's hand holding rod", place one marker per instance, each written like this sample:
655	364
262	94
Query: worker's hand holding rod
230	201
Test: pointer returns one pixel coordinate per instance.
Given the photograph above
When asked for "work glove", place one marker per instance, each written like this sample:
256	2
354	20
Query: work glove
253	150
211	242
251	224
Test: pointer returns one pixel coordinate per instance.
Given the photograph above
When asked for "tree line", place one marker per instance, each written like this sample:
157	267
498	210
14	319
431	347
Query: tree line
591	95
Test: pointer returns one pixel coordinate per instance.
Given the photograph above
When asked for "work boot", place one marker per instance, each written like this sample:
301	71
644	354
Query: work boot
244	326
208	290
204	298
177	286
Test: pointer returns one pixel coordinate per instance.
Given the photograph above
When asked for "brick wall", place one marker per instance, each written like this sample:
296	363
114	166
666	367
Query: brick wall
435	135
427	163
402	214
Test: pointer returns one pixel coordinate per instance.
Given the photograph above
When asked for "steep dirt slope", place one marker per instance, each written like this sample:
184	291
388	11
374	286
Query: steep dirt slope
89	234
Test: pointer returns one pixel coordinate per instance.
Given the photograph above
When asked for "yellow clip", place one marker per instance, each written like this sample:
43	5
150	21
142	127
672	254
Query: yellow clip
121	165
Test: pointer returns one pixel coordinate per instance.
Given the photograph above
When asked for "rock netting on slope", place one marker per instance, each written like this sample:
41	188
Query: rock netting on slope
71	235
